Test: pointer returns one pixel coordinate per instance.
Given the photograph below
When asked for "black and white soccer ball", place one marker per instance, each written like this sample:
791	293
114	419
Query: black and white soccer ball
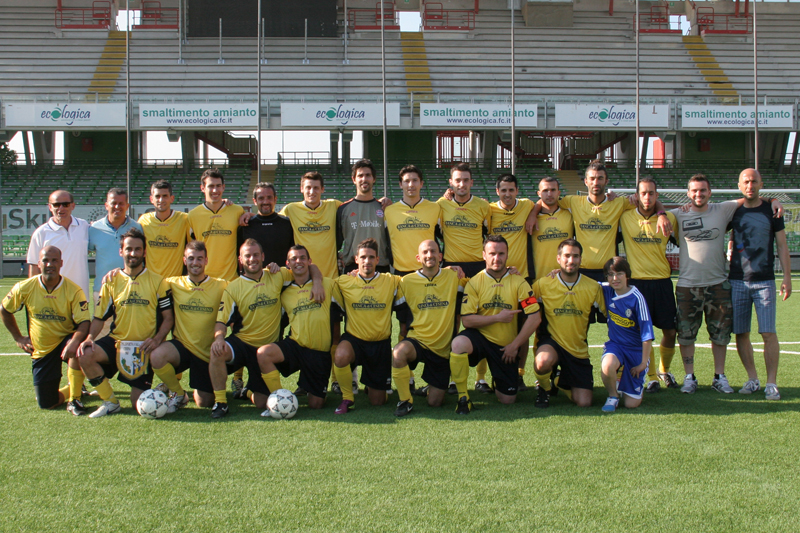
282	404
152	404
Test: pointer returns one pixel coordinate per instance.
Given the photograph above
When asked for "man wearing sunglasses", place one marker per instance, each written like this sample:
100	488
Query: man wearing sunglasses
67	233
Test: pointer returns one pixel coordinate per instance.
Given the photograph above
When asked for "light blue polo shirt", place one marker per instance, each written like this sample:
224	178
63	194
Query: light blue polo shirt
104	240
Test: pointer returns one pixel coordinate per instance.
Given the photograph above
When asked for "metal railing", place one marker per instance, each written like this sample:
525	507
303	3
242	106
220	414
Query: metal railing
435	17
655	21
710	22
370	19
155	17
96	17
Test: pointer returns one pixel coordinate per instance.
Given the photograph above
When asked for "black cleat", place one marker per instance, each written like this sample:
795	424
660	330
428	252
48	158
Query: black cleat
403	408
422	391
300	391
542	398
219	410
241	394
521	387
483	387
76	407
464	406
451	389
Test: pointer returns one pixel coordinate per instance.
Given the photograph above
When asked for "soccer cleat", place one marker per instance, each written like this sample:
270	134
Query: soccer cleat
422	391
403	408
236	388
335	388
689	385
521	387
464	406
653	386
542	398
108	408
87	392
219	410
300	391
721	384
750	387
482	386
176	402
555	377
355	387
242	395
163	388
344	407
76	408
452	389
611	405
411	386
771	392
669	380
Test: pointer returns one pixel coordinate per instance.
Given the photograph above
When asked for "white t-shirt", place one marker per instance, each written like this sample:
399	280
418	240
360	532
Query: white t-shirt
73	243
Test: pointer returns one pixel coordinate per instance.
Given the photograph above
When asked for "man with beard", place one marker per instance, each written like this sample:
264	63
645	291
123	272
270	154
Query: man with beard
272	231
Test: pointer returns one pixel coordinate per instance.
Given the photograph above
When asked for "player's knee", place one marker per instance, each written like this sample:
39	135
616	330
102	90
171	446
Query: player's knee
315	402
203	399
583	402
507	399
461	345
632	403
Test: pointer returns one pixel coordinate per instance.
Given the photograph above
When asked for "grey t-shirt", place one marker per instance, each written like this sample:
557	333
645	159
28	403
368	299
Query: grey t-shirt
701	237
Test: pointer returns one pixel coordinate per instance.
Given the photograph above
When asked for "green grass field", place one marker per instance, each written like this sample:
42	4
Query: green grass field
706	462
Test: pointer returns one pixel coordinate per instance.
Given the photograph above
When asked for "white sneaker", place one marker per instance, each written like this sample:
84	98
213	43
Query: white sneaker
750	387
689	385
176	402
771	392
108	408
721	384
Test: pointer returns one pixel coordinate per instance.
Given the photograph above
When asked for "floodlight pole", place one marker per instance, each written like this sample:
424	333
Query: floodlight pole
638	162
128	105
755	85
513	108
258	93
383	87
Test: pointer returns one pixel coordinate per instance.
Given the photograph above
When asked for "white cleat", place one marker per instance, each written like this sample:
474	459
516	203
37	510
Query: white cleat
108	408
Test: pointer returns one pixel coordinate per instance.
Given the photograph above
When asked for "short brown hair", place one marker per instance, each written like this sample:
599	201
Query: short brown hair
298	248
251	242
363	163
132	233
196	246
370	243
617	264
495	238
597	166
699	177
461	167
313	176
570	242
646	179
211	173
264	185
408	169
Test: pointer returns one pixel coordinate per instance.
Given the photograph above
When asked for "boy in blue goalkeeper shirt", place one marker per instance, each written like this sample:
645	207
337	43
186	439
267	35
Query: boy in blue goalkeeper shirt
630	337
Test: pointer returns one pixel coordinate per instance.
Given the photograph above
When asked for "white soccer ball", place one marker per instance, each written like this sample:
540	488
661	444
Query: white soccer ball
282	404
152	404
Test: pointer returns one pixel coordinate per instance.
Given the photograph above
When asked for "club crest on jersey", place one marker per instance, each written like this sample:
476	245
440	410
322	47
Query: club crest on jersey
84	306
379	213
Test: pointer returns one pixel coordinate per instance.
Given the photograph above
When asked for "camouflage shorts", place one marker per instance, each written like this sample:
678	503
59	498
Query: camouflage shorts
715	303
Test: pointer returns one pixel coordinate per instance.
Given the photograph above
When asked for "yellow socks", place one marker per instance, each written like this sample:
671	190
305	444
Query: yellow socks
220	397
480	372
666	358
76	379
333	361
521	371
105	391
459	372
273	380
345	378
64	391
401	377
651	370
168	376
544	380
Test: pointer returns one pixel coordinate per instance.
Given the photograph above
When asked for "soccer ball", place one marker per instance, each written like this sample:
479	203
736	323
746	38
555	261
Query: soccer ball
152	404
282	404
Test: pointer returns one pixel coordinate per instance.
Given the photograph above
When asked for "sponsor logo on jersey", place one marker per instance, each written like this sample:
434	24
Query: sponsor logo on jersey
644	238
432	302
621	321
568	309
460	221
195	305
313	227
304	305
551	234
368	302
216	229
49	314
162	241
496	303
413	223
134	299
262	301
507	227
595	224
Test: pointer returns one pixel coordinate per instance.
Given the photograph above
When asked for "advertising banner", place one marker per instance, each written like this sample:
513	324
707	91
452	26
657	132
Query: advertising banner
198	116
478	115
335	115
611	116
736	116
64	116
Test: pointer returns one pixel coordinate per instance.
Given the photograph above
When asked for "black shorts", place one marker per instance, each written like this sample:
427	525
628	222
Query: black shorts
505	375
46	372
470	268
199	378
599	276
437	369
576	372
660	298
314	366
246	355
109	346
375	360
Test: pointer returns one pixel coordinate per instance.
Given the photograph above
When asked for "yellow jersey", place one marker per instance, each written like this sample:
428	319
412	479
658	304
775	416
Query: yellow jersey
596	226
566	308
52	315
310	321
218	230
433	305
166	241
408	227
196	306
553	228
316	230
135	304
368	303
253	308
645	249
511	225
462	228
487	296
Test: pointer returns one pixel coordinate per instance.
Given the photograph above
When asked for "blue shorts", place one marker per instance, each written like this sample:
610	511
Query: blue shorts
762	295
628	358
